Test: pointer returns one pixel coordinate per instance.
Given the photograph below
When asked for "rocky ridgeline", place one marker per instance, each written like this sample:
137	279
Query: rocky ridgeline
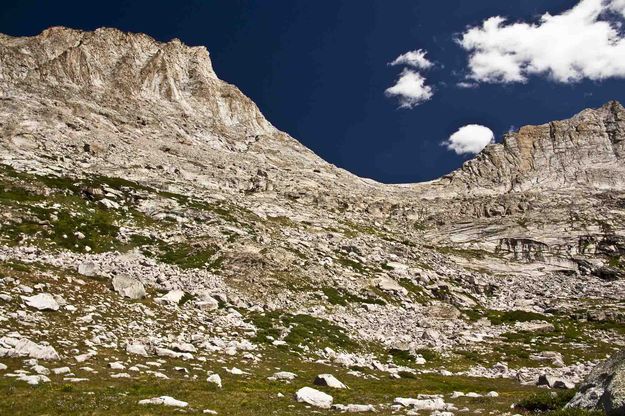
155	229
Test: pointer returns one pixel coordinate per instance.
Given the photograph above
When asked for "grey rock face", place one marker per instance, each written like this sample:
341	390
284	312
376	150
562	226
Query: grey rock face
586	150
42	302
128	287
329	380
604	388
314	397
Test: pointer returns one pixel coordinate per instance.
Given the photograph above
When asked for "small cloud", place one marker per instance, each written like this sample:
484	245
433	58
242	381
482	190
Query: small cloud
471	139
586	41
410	89
415	59
467	85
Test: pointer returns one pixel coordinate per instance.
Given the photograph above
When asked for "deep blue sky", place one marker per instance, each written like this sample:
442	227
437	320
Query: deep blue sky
318	69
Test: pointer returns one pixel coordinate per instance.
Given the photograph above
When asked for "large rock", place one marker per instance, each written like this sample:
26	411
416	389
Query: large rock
42	301
165	401
430	403
13	347
87	268
555	382
534	326
329	380
214	379
128	287
604	388
173	297
137	349
206	302
389	285
314	397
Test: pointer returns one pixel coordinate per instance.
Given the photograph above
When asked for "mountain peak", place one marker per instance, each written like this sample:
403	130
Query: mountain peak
586	150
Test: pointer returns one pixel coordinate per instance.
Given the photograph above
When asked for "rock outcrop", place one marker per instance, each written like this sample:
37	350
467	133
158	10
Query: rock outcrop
604	388
586	151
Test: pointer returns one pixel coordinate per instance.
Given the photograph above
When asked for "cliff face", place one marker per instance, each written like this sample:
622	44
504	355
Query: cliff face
146	109
585	151
110	64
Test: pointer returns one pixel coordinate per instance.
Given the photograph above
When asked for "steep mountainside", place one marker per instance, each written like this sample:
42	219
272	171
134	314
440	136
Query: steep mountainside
156	230
584	152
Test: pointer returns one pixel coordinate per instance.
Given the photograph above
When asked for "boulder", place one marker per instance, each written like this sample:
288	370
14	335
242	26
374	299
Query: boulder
534	326
354	408
329	380
389	285
283	375
173	297
314	397
42	302
555	382
137	349
206	302
128	287
604	388
26	348
214	379
87	268
429	403
165	401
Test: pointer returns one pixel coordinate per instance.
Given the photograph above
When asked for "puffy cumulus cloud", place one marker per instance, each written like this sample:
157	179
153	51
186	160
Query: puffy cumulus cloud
415	59
471	138
584	42
410	89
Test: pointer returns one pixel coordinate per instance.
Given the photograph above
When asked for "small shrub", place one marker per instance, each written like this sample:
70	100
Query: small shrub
546	401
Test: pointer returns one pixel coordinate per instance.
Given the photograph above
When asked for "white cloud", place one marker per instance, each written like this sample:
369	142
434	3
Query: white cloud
415	59
471	138
467	85
410	89
584	42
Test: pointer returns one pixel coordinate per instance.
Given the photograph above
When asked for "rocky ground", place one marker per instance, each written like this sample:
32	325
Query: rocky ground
165	249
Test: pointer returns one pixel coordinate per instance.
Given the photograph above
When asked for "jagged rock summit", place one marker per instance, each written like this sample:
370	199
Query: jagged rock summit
134	102
583	152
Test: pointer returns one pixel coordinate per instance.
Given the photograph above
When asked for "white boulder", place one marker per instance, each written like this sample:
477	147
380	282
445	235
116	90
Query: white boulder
42	302
329	380
165	401
128	287
314	398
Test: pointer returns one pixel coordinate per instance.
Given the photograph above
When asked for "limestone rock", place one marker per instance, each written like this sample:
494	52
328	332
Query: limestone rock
165	401
87	268
604	388
172	297
214	379
128	287
314	397
329	380
43	302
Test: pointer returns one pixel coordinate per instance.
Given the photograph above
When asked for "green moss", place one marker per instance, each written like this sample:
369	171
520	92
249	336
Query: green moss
510	317
187	256
302	330
546	401
615	262
416	292
344	298
349	263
